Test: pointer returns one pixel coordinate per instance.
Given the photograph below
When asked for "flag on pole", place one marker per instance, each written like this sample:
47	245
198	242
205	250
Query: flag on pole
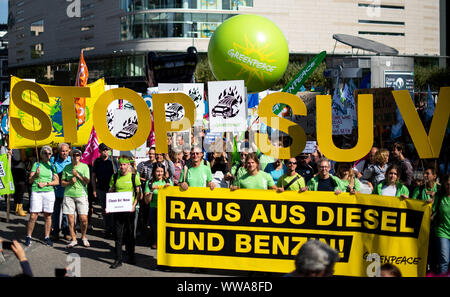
81	81
430	105
91	152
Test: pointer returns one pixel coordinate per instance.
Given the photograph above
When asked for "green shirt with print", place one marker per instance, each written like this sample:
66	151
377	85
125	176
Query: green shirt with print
78	189
261	180
47	170
160	183
295	186
197	176
124	183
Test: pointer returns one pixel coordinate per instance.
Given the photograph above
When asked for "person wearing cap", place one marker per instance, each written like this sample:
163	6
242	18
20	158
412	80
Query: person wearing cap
125	181
43	178
75	178
102	171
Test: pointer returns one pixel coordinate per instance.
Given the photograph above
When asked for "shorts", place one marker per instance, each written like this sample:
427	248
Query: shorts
70	204
42	202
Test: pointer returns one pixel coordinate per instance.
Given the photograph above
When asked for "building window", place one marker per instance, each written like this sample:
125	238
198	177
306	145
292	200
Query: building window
140	5
381	6
381	22
170	25
381	33
86	28
37	28
37	50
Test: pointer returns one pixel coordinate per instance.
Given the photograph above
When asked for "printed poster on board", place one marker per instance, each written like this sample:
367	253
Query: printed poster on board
227	106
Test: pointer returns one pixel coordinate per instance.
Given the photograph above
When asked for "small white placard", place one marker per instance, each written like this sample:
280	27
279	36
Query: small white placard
119	202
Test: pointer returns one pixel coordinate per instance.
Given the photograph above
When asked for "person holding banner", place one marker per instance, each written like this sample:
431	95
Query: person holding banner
157	181
198	174
43	178
291	180
254	178
75	178
125	181
325	181
349	182
392	186
441	219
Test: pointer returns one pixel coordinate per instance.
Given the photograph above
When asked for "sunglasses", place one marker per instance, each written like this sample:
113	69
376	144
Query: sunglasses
292	163
76	155
47	154
195	153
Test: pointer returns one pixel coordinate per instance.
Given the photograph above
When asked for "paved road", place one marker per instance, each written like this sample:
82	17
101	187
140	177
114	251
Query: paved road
95	261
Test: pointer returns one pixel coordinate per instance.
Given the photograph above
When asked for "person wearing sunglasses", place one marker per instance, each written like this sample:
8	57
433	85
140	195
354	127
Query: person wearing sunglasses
291	180
75	178
43	178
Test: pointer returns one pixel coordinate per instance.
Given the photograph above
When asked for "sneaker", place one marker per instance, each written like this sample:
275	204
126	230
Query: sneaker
48	242
28	241
85	242
72	244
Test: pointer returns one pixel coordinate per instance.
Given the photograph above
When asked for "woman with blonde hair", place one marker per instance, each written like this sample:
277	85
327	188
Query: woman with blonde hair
349	182
375	173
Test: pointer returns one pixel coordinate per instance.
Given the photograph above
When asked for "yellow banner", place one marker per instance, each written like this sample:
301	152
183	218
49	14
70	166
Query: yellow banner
54	111
261	230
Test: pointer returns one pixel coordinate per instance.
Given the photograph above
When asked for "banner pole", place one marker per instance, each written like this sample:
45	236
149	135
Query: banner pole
8	196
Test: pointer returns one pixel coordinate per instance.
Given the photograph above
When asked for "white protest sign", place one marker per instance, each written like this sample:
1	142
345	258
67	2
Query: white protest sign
227	106
119	202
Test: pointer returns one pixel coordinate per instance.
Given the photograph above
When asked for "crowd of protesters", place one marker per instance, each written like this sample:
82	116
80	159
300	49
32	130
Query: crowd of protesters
65	187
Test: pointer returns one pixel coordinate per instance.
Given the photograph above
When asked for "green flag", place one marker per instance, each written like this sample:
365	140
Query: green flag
6	179
297	82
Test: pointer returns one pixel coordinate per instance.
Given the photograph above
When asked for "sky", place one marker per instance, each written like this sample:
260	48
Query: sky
3	11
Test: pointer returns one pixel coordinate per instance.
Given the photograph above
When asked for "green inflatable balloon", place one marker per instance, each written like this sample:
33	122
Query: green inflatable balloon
250	48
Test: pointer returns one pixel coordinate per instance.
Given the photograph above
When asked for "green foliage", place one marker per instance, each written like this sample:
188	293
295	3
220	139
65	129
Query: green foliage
434	76
203	73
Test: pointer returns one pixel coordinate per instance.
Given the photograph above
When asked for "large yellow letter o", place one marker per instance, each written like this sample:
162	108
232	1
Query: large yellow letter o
101	125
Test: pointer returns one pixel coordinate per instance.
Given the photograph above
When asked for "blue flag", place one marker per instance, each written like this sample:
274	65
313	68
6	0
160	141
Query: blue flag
430	106
253	100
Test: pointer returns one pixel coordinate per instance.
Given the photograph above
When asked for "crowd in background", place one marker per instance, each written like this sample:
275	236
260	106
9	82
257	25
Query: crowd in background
64	189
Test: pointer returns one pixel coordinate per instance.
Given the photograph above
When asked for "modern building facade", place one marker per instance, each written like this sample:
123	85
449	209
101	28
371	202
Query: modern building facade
116	34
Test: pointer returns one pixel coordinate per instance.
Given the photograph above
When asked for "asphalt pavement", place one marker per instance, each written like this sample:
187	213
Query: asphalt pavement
94	261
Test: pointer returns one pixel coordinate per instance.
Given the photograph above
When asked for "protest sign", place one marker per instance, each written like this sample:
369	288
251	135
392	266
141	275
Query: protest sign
262	230
58	122
6	179
119	202
227	106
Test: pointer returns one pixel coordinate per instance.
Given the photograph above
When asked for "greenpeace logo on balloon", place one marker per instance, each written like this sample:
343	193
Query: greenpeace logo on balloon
250	61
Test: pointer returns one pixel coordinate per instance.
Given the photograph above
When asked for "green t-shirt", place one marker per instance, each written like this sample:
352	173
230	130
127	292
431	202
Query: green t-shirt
420	192
240	170
442	228
78	189
262	180
154	202
45	176
345	182
295	186
197	176
124	183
